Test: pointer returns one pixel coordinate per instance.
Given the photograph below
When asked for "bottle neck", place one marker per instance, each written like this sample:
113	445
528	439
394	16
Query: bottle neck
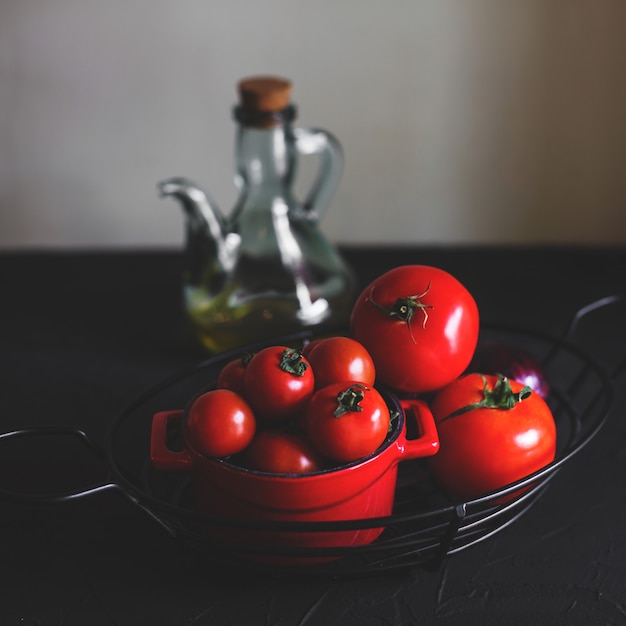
265	151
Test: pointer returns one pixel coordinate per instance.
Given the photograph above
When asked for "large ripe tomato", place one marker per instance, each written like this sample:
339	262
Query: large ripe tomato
420	324
278	383
346	422
341	359
220	423
492	432
282	453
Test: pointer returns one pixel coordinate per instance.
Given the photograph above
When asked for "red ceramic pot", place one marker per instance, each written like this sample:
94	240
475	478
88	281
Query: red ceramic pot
356	491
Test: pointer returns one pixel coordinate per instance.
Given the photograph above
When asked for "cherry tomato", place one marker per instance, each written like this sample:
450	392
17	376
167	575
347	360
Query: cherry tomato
341	359
278	382
492	431
282	453
231	376
346	422
420	324
308	347
220	423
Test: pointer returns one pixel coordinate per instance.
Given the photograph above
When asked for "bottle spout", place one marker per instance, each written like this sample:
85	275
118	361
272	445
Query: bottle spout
205	223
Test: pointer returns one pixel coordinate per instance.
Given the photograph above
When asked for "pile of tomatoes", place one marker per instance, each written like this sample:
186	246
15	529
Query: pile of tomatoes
413	330
293	411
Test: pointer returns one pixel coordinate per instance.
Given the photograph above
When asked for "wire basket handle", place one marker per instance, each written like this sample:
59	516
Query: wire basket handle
586	310
51	498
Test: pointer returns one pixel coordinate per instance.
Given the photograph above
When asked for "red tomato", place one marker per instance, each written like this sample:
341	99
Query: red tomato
282	453
308	347
420	324
492	432
278	383
231	376
346	423
220	423
341	359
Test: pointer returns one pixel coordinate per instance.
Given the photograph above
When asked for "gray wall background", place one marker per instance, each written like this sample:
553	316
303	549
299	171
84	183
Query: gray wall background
462	121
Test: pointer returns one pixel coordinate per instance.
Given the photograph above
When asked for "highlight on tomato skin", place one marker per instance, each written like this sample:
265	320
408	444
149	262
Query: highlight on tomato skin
419	324
485	446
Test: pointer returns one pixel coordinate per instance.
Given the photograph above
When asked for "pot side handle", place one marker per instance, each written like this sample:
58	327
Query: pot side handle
161	455
427	441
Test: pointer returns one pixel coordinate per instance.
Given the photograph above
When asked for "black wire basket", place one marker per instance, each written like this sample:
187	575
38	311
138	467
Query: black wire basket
425	526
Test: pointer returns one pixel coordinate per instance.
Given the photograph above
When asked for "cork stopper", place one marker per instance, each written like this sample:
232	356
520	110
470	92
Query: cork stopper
265	94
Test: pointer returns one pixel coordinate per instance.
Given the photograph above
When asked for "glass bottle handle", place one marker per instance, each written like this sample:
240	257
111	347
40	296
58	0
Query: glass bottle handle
313	141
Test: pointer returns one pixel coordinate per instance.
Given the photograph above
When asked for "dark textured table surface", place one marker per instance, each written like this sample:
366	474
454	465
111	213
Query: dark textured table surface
83	333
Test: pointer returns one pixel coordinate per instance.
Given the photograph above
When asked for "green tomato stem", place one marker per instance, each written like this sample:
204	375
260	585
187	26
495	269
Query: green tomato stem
348	400
405	309
500	397
292	362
